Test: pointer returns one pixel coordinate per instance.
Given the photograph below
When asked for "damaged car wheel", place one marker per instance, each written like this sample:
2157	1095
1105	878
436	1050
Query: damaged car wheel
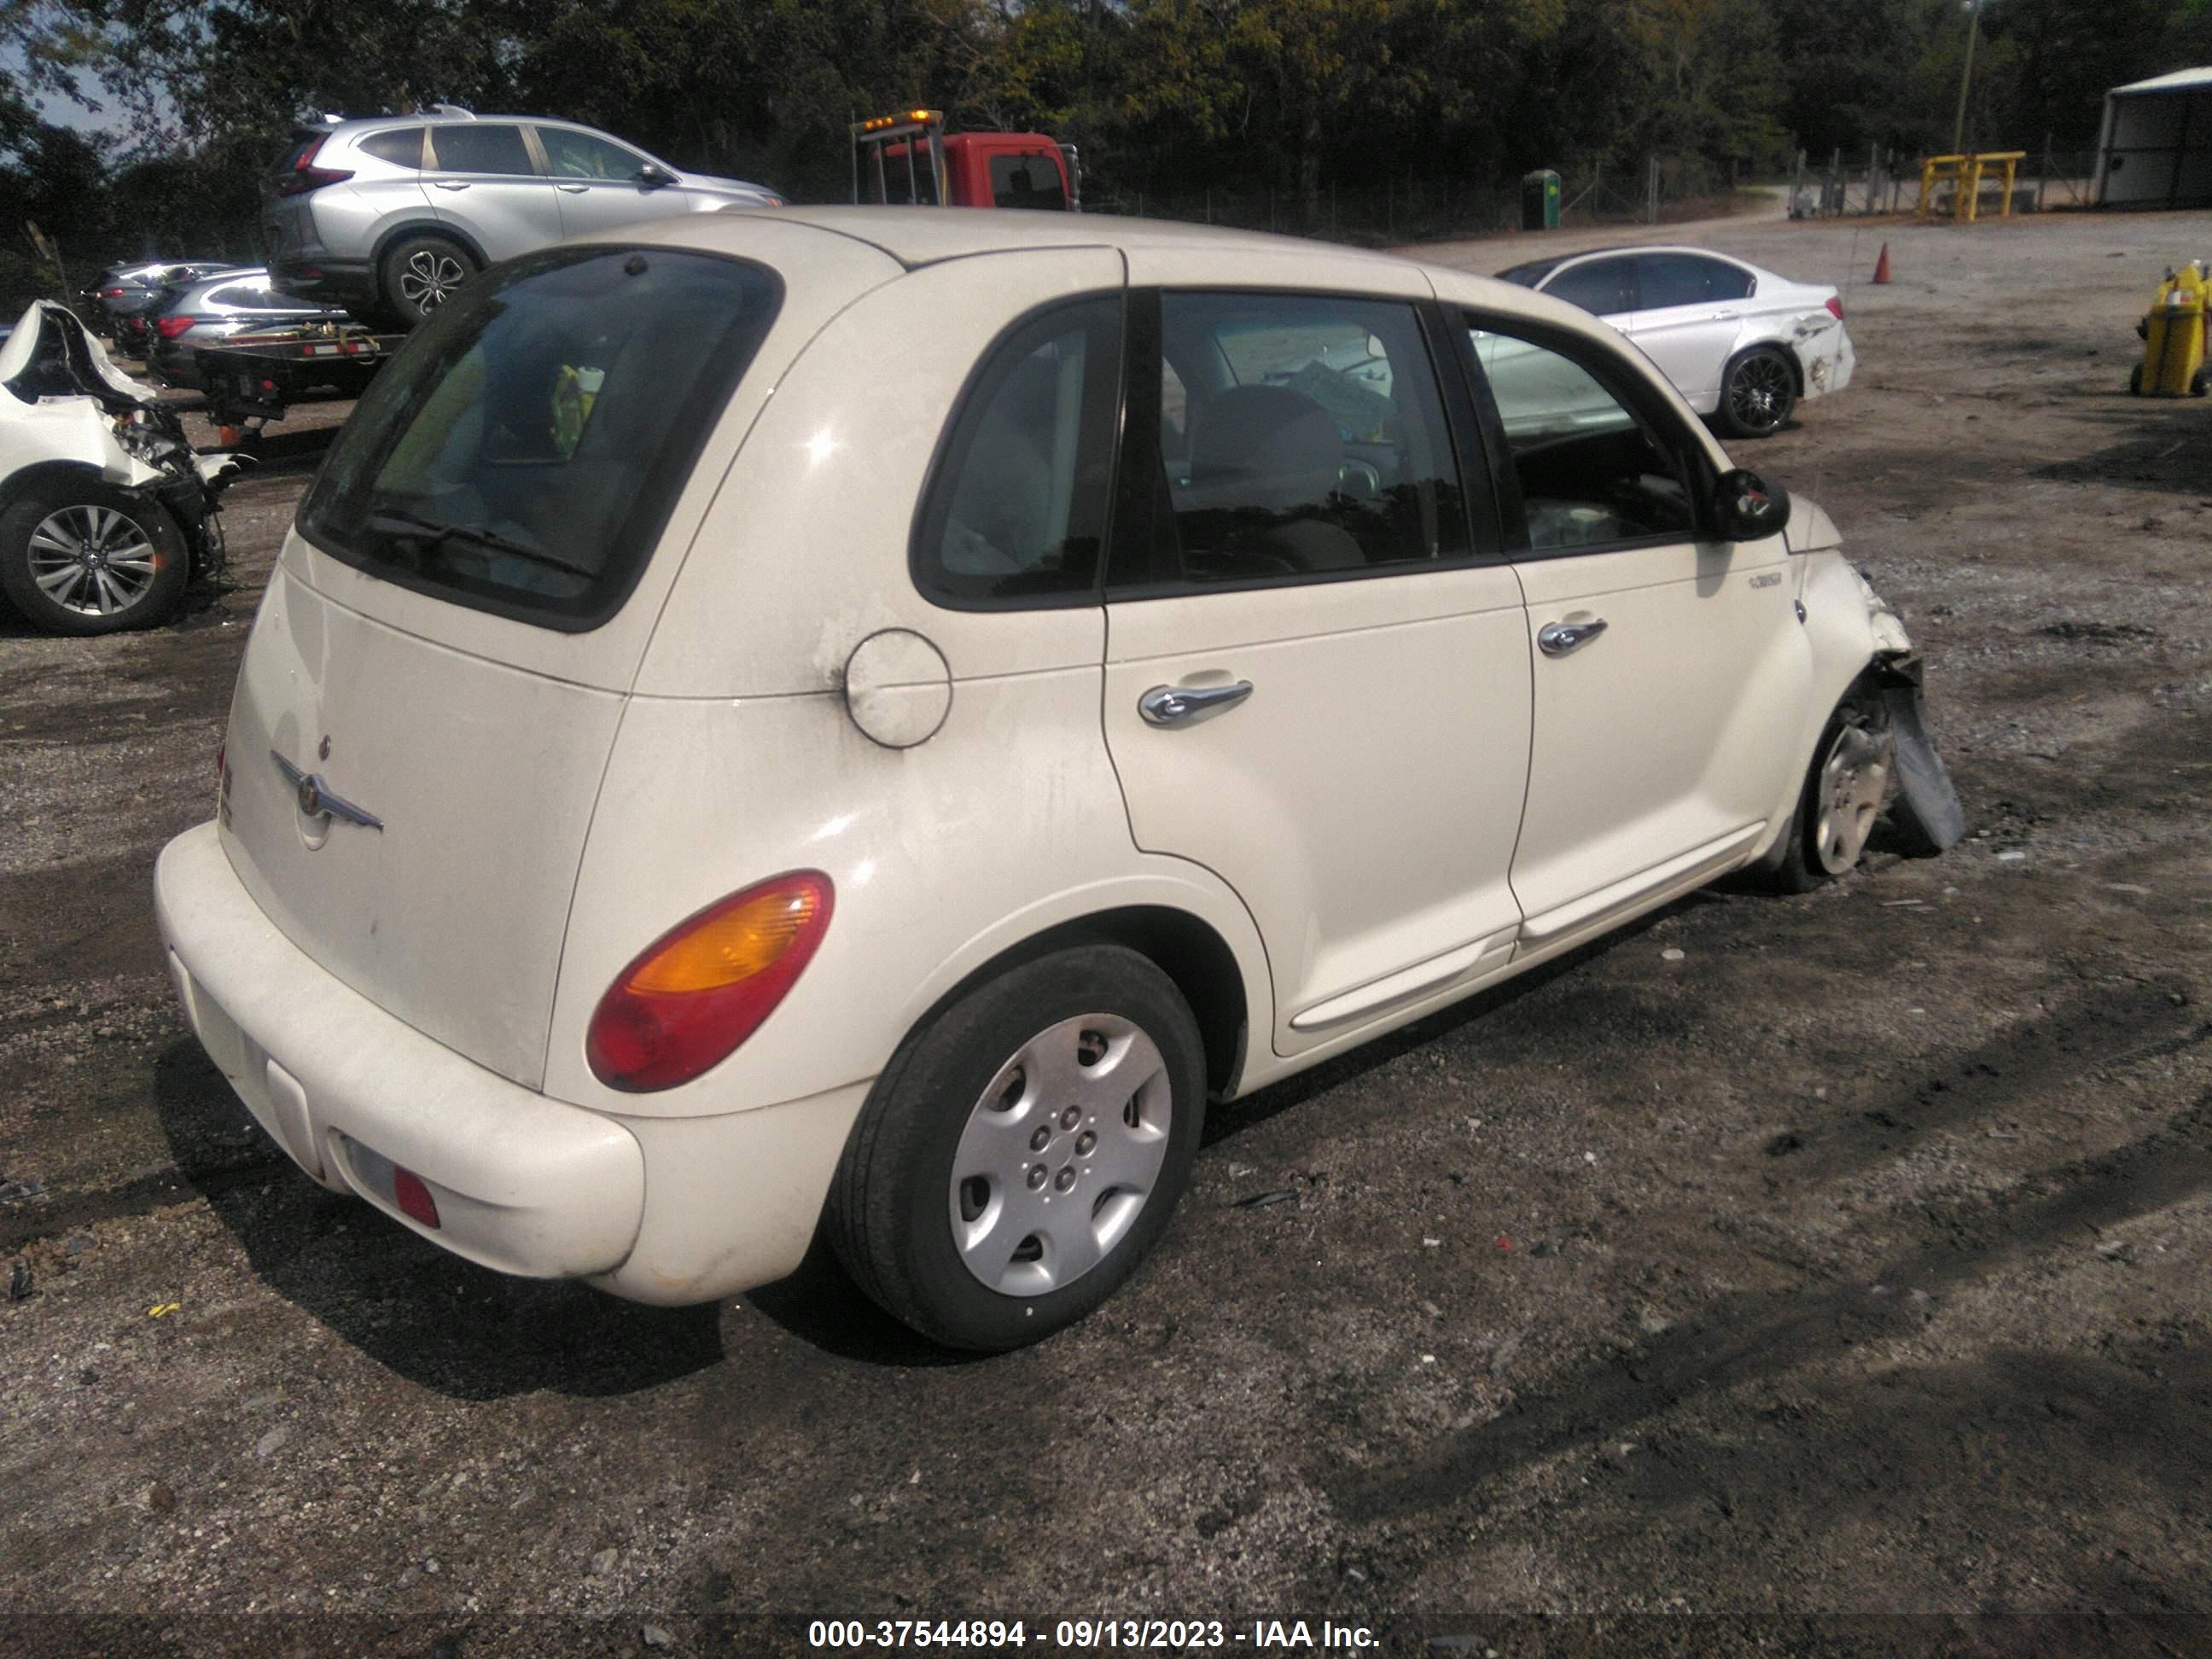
1844	794
79	556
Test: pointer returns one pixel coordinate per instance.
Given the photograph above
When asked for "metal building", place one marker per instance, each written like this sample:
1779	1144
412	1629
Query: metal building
2155	150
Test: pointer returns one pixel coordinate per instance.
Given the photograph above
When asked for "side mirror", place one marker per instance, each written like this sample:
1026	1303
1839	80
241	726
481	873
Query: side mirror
652	177
1746	508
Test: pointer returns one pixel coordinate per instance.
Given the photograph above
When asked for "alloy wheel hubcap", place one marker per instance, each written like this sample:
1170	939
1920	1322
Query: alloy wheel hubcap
1061	1155
93	560
1760	386
428	280
1853	780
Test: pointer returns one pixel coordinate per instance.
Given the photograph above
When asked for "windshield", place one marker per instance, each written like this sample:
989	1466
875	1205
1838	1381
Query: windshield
522	451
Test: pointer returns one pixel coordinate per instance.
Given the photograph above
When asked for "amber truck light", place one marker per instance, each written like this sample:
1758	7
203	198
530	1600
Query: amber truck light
701	988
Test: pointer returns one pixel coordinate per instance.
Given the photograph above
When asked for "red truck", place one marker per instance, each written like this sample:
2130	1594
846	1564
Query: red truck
909	159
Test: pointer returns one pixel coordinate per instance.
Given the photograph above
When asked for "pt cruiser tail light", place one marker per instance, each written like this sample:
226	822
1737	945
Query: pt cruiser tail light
701	988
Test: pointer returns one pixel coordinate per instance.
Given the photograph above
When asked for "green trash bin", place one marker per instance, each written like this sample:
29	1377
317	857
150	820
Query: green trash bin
1539	200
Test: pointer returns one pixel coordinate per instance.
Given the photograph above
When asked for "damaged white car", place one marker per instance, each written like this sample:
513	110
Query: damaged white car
1744	346
699	777
106	512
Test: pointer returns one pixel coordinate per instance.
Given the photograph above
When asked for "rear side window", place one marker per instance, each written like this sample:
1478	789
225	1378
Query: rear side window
521	454
403	148
1026	181
1016	506
475	149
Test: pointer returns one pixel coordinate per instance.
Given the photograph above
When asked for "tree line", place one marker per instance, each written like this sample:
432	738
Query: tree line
1294	97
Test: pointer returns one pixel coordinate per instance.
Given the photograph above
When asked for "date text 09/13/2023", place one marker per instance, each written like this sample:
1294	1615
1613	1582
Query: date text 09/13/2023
1092	1634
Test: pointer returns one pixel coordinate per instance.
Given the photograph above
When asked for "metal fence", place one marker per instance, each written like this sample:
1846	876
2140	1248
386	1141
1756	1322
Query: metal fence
1416	209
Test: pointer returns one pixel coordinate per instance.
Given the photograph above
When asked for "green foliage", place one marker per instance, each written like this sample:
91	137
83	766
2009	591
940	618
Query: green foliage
1288	99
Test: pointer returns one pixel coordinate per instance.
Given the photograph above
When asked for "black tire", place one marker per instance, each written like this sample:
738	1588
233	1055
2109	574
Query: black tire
2200	383
895	1205
420	273
1856	756
79	557
1757	392
2135	381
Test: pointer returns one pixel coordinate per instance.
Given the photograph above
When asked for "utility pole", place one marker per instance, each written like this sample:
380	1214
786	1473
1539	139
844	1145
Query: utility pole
1965	76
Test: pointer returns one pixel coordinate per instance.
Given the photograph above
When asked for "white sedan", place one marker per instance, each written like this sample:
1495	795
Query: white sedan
1742	344
699	774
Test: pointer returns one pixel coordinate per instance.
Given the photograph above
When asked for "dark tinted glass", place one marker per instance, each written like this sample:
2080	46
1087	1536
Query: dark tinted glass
1600	287
402	149
573	154
1298	435
1672	279
477	149
1026	181
1591	471
1724	280
521	452
1529	275
1017	505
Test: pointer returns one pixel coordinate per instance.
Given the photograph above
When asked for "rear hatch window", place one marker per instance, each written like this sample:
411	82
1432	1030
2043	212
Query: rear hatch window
521	454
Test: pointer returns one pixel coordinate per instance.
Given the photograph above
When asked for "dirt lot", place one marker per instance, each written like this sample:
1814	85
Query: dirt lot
1857	1242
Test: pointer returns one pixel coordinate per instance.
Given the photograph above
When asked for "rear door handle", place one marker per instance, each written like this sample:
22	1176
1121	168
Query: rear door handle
1173	705
450	184
573	190
1559	638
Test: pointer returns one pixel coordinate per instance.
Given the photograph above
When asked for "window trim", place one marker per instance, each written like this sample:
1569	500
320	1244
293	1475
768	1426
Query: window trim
1614	373
1135	486
956	431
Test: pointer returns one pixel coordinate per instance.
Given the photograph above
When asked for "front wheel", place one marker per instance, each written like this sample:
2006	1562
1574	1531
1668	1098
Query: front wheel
79	557
1024	1150
1757	394
421	273
1843	795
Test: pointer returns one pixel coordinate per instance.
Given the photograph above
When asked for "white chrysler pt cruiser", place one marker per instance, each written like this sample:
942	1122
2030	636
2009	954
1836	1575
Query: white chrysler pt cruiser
867	718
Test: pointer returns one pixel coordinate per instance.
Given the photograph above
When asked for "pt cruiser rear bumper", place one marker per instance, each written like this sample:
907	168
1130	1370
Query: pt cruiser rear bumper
522	1183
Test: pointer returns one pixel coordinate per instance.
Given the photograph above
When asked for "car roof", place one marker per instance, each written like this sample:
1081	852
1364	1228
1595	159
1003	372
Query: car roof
917	236
1566	259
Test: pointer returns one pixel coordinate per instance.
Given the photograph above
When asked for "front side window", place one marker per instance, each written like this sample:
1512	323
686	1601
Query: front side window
1297	435
1601	288
521	454
1015	509
1592	471
571	155
473	147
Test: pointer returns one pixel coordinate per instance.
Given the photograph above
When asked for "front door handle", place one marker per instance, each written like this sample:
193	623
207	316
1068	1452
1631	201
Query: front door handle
1557	639
573	190
1172	705
450	184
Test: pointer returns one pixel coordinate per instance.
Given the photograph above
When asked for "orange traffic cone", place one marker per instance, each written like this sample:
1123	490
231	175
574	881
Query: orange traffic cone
1882	265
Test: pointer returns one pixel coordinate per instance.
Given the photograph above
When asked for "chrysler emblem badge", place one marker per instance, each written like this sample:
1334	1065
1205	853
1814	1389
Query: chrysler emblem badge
318	800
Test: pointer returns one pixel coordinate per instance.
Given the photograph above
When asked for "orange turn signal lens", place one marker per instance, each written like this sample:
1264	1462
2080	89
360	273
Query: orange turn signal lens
686	1003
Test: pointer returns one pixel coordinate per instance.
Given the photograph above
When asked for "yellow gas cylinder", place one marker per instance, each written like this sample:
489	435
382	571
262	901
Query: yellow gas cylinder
2173	337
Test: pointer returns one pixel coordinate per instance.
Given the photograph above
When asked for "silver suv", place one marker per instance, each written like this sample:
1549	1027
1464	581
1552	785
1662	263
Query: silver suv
387	217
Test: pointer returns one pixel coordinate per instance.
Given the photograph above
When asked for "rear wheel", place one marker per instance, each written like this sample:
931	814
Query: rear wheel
1843	795
1757	392
1024	1150
421	273
79	557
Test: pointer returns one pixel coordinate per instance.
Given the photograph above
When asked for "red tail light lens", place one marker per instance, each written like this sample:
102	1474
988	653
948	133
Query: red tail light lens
110	294
693	996
1835	307
171	327
305	175
413	1198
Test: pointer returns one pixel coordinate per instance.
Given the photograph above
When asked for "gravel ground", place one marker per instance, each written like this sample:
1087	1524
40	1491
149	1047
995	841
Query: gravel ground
1810	1274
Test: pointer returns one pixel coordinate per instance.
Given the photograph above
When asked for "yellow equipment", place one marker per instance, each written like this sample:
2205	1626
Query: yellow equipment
2173	337
1965	173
